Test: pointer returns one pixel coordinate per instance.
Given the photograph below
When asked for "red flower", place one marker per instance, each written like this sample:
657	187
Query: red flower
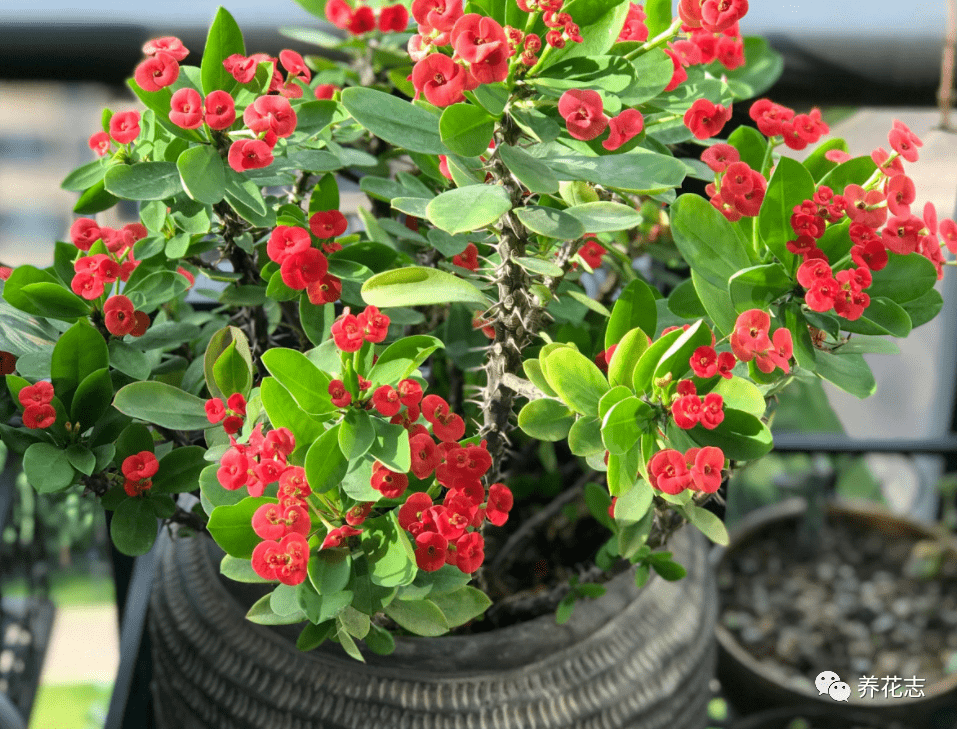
706	119
669	472
237	403
157	72
325	91
706	472
233	469
220	110
686	411
37	417
468	258
500	501
750	335
339	13
100	143
904	141
362	21
341	397
136	488
678	74
125	126
140	465
84	233
186	109
483	43
142	323
328	224
410	392
347	333
425	456
583	114
40	393
374	323
430	551
118	315
336	537
87	285
302	268
394	18
285	561
726	363
388	483
358	513
272	521
448	427
624	127
232	424
249	154
712	410
439	15
440	79
592	252
324	291
413	508
167	44
634	28
286	240
770	117
271	114
704	362
386	401
469	552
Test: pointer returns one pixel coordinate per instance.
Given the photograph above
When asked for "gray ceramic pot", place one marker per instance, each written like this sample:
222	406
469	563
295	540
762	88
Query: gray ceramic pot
633	658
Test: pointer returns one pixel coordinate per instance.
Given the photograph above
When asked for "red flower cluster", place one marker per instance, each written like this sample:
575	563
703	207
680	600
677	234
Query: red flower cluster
706	363
162	67
750	340
261	461
38	410
737	191
467	259
392	18
189	110
688	410
714	16
706	119
121	318
230	415
592	252
139	470
585	119
285	560
272	521
634	28
94	273
698	469
797	130
349	331
300	265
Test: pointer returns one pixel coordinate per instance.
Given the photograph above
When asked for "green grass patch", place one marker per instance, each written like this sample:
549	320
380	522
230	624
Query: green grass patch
71	706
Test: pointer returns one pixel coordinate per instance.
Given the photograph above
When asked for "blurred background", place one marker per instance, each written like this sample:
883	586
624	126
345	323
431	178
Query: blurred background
865	62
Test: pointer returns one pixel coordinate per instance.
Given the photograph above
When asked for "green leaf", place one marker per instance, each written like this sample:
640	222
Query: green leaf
284	412
311	118
411	205
81	458
576	379
92	398
550	222
325	464
707	241
584	438
850	372
218	344
80	352
356	433
635	307
638	171
419	286
202	174
380	641
239	570
853	172
533	369
307	384
262	613
422	617
84	176
96	199
634	504
601	22
709	524
312	636
133	527
756	287
624	424
224	39
532	173
163	405
468	208
315	320
750	144
741	436
658	17
231	526
156	289
539	266
232	373
402	358
668	570
393	120
463	605
716	300
143	181
389	552
924	308
903	279
677	358
546	419
179	470
244	195
135	438
882	316
601	217
330	570
763	68
789	186
391	446
612	75
54	302
47	468
466	129
740	394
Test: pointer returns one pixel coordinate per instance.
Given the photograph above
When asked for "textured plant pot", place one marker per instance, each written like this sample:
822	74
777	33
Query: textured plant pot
634	658
749	685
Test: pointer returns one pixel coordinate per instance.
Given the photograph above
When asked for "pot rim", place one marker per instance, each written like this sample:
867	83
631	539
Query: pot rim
758	521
